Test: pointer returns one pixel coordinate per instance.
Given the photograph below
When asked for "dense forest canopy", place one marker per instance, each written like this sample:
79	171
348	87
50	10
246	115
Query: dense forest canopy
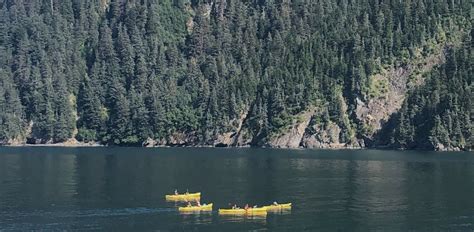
246	72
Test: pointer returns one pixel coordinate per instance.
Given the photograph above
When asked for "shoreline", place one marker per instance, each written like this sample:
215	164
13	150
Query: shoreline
85	145
53	145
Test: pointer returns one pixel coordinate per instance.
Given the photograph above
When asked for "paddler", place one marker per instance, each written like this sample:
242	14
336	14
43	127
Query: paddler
246	206
198	203
275	203
176	192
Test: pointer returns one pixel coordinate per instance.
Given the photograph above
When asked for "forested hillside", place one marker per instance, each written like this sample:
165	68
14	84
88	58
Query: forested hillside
280	73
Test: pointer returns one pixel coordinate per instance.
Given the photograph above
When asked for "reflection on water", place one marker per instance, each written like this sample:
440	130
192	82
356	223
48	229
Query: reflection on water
196	217
123	189
195	213
280	211
260	219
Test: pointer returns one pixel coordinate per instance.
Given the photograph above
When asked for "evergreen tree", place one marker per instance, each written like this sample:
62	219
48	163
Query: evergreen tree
121	72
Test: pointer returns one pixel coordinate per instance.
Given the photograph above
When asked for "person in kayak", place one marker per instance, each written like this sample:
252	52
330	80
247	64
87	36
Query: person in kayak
176	192
246	206
198	203
189	204
275	203
234	206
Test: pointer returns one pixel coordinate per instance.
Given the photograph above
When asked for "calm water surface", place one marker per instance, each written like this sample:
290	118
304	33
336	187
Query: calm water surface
122	189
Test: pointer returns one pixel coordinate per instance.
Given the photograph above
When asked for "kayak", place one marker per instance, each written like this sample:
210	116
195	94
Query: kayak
207	207
278	207
249	211
183	197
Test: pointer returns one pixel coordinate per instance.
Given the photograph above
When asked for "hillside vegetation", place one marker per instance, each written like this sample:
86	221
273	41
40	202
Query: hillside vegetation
280	73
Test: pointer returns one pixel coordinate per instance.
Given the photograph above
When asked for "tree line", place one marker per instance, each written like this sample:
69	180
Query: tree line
120	72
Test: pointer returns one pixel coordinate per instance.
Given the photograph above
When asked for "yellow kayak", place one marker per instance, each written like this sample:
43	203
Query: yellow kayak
183	197
249	211
278	207
207	207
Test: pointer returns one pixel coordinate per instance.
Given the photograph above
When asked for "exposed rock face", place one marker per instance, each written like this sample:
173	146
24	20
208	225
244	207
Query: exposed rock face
327	138
442	147
225	139
68	143
293	137
74	143
190	25
323	138
244	138
12	142
376	111
394	86
180	139
104	4
232	138
150	143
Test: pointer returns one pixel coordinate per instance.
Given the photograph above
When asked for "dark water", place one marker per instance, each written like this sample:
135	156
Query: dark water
122	189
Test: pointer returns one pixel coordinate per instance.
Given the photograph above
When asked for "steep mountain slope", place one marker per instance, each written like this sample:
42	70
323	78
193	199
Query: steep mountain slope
280	73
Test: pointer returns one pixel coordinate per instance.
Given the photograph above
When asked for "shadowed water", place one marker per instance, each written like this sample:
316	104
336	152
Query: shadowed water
122	189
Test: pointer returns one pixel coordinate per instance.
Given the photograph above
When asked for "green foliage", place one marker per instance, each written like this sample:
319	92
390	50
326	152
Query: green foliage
150	69
86	135
11	110
439	114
